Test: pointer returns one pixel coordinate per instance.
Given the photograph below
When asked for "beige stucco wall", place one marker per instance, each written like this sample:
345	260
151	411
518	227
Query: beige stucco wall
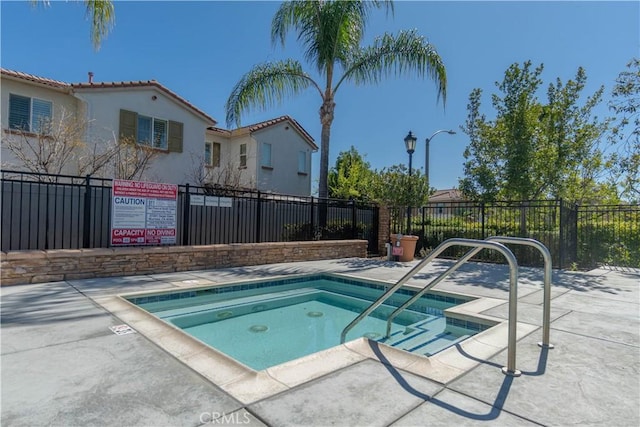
104	107
283	176
63	103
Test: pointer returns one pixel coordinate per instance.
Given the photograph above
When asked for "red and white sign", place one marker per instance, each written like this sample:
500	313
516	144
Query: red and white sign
144	213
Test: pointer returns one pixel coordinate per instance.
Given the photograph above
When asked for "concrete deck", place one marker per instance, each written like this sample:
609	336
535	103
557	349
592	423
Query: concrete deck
61	365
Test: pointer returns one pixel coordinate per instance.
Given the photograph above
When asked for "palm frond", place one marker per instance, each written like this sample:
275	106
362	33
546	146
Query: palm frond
102	16
328	30
266	85
407	52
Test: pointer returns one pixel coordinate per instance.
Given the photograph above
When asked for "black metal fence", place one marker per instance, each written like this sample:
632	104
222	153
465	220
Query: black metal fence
577	236
42	211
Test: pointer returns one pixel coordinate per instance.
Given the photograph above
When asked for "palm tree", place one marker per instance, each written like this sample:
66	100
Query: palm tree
102	16
331	32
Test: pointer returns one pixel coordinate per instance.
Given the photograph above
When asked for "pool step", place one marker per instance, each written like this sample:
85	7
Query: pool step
423	338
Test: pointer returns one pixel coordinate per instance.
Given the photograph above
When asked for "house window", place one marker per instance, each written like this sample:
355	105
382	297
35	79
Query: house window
208	148
152	132
29	114
243	155
266	155
302	162
212	154
215	155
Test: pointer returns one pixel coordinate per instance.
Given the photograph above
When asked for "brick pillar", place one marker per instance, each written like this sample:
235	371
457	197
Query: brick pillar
384	225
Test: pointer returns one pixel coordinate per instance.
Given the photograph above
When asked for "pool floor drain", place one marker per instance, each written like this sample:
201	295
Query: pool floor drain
315	314
259	328
372	335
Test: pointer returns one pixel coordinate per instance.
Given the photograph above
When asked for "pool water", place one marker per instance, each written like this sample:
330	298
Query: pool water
268	323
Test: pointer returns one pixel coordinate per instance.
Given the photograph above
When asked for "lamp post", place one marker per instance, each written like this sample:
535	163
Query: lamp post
410	144
426	156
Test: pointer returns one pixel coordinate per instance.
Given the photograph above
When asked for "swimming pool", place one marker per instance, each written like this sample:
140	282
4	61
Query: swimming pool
268	322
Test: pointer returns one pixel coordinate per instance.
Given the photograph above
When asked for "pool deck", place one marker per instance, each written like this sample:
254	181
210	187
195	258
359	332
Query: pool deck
62	365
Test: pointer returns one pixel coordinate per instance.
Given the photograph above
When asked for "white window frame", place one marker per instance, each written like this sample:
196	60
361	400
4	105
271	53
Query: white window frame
243	155
164	142
302	162
266	155
31	126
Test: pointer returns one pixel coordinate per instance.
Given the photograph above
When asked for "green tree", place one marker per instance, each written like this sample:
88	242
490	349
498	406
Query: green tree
393	187
625	103
331	32
101	13
534	150
350	177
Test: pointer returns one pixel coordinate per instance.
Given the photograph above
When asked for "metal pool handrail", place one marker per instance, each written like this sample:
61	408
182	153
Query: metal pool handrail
546	317
483	244
546	255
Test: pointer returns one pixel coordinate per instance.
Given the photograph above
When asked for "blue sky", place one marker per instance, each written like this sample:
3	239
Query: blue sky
200	50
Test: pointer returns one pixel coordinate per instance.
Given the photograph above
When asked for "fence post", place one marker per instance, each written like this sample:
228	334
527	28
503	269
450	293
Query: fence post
482	213
354	219
86	227
186	214
561	237
312	224
258	219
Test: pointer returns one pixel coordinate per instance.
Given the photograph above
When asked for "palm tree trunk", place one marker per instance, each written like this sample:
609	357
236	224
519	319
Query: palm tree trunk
326	118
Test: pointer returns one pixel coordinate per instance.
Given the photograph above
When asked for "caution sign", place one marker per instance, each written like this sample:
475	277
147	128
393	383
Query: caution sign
143	213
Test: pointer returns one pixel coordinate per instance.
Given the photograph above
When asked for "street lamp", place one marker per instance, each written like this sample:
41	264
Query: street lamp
410	144
426	156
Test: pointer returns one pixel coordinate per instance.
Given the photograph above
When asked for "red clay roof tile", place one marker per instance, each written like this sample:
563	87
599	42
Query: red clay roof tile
143	83
34	79
106	85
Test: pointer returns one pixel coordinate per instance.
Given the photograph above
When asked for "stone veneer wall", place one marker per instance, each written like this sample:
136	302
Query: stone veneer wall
22	267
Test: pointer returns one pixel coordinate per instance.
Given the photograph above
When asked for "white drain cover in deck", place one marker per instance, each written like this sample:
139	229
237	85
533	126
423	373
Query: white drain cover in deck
122	329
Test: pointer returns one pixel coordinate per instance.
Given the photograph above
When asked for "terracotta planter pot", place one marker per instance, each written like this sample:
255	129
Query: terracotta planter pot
408	245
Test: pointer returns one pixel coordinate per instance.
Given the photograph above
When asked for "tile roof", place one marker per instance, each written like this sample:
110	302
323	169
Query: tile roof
144	83
449	194
267	123
34	79
107	85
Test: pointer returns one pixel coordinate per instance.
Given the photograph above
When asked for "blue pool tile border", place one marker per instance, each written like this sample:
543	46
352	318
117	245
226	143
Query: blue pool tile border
467	324
289	281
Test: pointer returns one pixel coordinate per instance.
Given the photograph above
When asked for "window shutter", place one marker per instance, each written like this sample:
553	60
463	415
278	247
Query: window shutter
160	134
175	137
19	109
41	116
216	155
128	125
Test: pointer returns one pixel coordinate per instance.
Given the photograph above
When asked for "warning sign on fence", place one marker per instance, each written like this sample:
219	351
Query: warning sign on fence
144	213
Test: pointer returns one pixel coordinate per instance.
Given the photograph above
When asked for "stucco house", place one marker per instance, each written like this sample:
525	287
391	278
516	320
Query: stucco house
442	202
274	155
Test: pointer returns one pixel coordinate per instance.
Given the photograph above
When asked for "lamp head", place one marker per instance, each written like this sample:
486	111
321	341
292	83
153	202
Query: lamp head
410	143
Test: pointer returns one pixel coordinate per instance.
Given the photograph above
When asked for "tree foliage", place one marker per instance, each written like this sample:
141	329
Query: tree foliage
533	149
393	186
60	146
625	103
331	33
351	176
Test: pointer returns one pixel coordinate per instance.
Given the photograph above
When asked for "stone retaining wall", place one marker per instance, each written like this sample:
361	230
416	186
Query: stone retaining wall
22	267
